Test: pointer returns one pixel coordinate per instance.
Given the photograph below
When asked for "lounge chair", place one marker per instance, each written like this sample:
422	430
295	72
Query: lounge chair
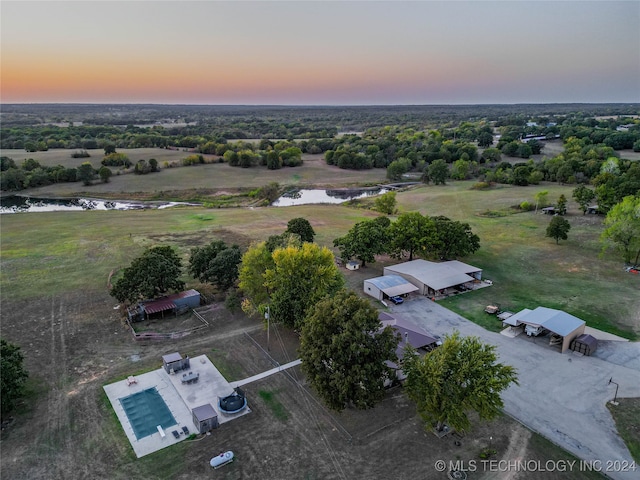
185	430
176	434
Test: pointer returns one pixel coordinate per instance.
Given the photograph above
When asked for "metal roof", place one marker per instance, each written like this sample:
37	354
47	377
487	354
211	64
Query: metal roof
556	321
514	320
204	412
159	306
461	266
393	285
166	303
171	357
435	275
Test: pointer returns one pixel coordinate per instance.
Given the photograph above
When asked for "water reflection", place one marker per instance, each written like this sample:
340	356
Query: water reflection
19	204
311	196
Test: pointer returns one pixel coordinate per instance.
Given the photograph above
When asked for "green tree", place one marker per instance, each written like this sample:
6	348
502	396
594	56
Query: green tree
364	240
492	155
460	376
105	174
454	239
86	173
12	179
542	199
412	233
270	192
253	267
558	228
485	139
301	226
12	376
561	206
156	272
520	176
398	168
584	196
386	203
300	278
215	263
623	228
109	148
460	169
116	160
438	172
273	160
344	351
6	163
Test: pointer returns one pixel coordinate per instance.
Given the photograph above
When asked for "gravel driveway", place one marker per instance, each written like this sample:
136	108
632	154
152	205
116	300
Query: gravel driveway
561	396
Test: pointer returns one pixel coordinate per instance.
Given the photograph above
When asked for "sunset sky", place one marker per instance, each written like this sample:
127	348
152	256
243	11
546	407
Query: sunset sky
320	53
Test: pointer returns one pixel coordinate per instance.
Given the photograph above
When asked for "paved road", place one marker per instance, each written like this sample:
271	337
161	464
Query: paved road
561	396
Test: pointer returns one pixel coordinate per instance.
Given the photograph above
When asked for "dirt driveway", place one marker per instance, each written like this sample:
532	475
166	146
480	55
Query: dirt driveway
561	396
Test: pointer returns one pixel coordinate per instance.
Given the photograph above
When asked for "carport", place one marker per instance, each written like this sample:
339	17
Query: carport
388	286
556	321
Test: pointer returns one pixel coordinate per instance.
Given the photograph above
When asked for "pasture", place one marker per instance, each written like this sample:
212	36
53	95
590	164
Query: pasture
55	305
196	182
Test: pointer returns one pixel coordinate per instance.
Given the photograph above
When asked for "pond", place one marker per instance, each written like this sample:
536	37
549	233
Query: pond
311	196
24	204
20	204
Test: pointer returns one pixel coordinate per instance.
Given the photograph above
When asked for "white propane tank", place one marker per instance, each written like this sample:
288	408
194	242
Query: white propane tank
222	459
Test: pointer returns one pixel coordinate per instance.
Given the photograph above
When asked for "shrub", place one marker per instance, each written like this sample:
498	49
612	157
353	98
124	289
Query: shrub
480	186
526	206
80	154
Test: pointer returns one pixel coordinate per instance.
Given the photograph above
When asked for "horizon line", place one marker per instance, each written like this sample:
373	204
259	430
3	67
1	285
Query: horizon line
319	105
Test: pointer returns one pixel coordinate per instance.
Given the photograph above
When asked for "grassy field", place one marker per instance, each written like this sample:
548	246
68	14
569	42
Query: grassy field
53	276
198	181
627	417
528	269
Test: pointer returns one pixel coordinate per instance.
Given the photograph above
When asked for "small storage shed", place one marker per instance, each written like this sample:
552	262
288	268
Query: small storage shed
388	286
173	362
177	303
205	418
353	265
585	344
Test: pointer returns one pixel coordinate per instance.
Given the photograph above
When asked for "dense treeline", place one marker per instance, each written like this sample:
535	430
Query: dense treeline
280	122
435	143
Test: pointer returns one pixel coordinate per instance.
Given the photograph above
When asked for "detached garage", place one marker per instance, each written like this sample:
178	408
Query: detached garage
433	278
388	286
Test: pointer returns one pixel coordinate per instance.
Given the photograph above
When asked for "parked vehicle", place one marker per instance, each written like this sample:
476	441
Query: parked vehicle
534	330
397	299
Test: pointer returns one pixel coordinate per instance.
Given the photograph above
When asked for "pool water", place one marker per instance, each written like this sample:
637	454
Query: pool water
145	411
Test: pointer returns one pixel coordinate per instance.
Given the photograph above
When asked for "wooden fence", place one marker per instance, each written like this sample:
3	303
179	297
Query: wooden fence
142	336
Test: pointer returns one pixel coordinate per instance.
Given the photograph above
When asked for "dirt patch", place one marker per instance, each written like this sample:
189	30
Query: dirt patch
76	343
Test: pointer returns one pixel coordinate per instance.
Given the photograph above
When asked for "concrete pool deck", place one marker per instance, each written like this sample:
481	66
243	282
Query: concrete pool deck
180	399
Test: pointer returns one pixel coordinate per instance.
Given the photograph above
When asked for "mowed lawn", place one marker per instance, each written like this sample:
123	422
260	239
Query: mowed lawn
210	176
529	269
56	252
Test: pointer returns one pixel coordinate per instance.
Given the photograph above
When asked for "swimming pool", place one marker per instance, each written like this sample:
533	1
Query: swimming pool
145	411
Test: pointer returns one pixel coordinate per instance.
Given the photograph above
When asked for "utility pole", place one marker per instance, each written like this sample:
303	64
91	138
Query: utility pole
266	316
